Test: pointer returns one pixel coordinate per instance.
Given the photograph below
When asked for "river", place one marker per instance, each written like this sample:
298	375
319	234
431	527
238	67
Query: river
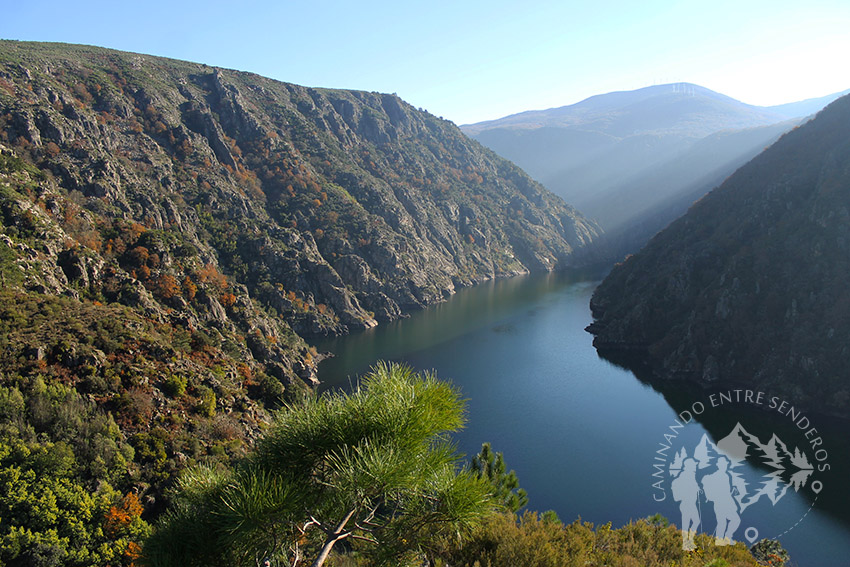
582	433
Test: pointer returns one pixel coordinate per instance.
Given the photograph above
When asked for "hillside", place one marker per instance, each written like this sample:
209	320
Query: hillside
170	233
806	107
622	157
749	286
676	184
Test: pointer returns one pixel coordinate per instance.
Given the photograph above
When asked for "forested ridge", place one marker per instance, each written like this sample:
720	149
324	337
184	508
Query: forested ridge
749	287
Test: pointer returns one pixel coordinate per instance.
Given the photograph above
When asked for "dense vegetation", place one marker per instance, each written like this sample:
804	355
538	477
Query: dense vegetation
750	286
506	540
170	232
374	469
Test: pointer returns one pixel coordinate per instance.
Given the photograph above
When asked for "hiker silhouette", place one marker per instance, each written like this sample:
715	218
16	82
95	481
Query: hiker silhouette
718	490
685	489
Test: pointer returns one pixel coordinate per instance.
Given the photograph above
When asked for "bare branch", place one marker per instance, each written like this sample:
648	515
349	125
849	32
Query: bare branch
311	522
371	514
344	521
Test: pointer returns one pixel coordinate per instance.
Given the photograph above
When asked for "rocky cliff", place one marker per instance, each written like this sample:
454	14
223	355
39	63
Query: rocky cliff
355	202
749	287
169	233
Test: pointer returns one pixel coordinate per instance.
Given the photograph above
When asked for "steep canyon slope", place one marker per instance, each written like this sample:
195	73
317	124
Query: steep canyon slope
170	232
749	287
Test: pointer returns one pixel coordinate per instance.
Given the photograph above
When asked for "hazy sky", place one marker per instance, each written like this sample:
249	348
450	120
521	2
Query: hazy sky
473	60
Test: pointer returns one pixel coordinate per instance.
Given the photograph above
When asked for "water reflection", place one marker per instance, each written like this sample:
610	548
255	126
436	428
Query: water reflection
579	430
468	310
680	395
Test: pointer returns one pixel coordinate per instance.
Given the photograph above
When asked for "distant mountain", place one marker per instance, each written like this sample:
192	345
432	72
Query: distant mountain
621	157
680	107
806	107
749	287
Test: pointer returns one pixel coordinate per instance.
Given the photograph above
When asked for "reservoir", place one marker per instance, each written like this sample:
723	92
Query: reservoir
583	434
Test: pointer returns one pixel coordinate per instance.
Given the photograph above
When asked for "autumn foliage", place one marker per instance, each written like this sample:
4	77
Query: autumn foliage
118	521
209	274
167	286
119	517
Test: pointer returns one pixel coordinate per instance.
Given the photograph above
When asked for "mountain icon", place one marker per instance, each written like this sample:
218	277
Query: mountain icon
785	467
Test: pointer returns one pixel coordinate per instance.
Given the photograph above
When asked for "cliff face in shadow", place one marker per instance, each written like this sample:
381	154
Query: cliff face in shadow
749	287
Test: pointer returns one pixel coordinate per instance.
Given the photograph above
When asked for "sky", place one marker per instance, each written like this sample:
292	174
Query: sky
470	61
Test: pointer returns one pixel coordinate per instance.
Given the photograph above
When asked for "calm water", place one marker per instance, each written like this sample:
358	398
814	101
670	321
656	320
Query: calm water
581	432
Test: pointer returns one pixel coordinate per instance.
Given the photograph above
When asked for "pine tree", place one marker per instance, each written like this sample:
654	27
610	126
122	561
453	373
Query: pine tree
505	488
374	468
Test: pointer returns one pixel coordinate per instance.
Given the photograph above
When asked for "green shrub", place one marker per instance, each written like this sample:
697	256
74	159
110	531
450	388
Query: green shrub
50	518
271	388
175	386
507	540
206	401
770	552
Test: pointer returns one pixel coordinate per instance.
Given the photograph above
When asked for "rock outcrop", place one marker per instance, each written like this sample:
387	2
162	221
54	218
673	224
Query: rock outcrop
354	201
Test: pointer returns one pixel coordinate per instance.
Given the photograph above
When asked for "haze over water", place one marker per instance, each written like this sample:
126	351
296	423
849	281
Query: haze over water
580	432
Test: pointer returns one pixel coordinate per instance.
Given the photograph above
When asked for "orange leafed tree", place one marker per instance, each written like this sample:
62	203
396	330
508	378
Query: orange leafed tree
121	516
189	288
117	523
210	274
167	286
133	553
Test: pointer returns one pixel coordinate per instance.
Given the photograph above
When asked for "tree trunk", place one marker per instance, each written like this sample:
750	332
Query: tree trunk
323	554
333	537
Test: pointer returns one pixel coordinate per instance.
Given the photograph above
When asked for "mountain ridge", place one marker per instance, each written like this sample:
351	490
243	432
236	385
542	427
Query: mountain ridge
171	234
604	154
615	99
807	107
678	183
746	287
